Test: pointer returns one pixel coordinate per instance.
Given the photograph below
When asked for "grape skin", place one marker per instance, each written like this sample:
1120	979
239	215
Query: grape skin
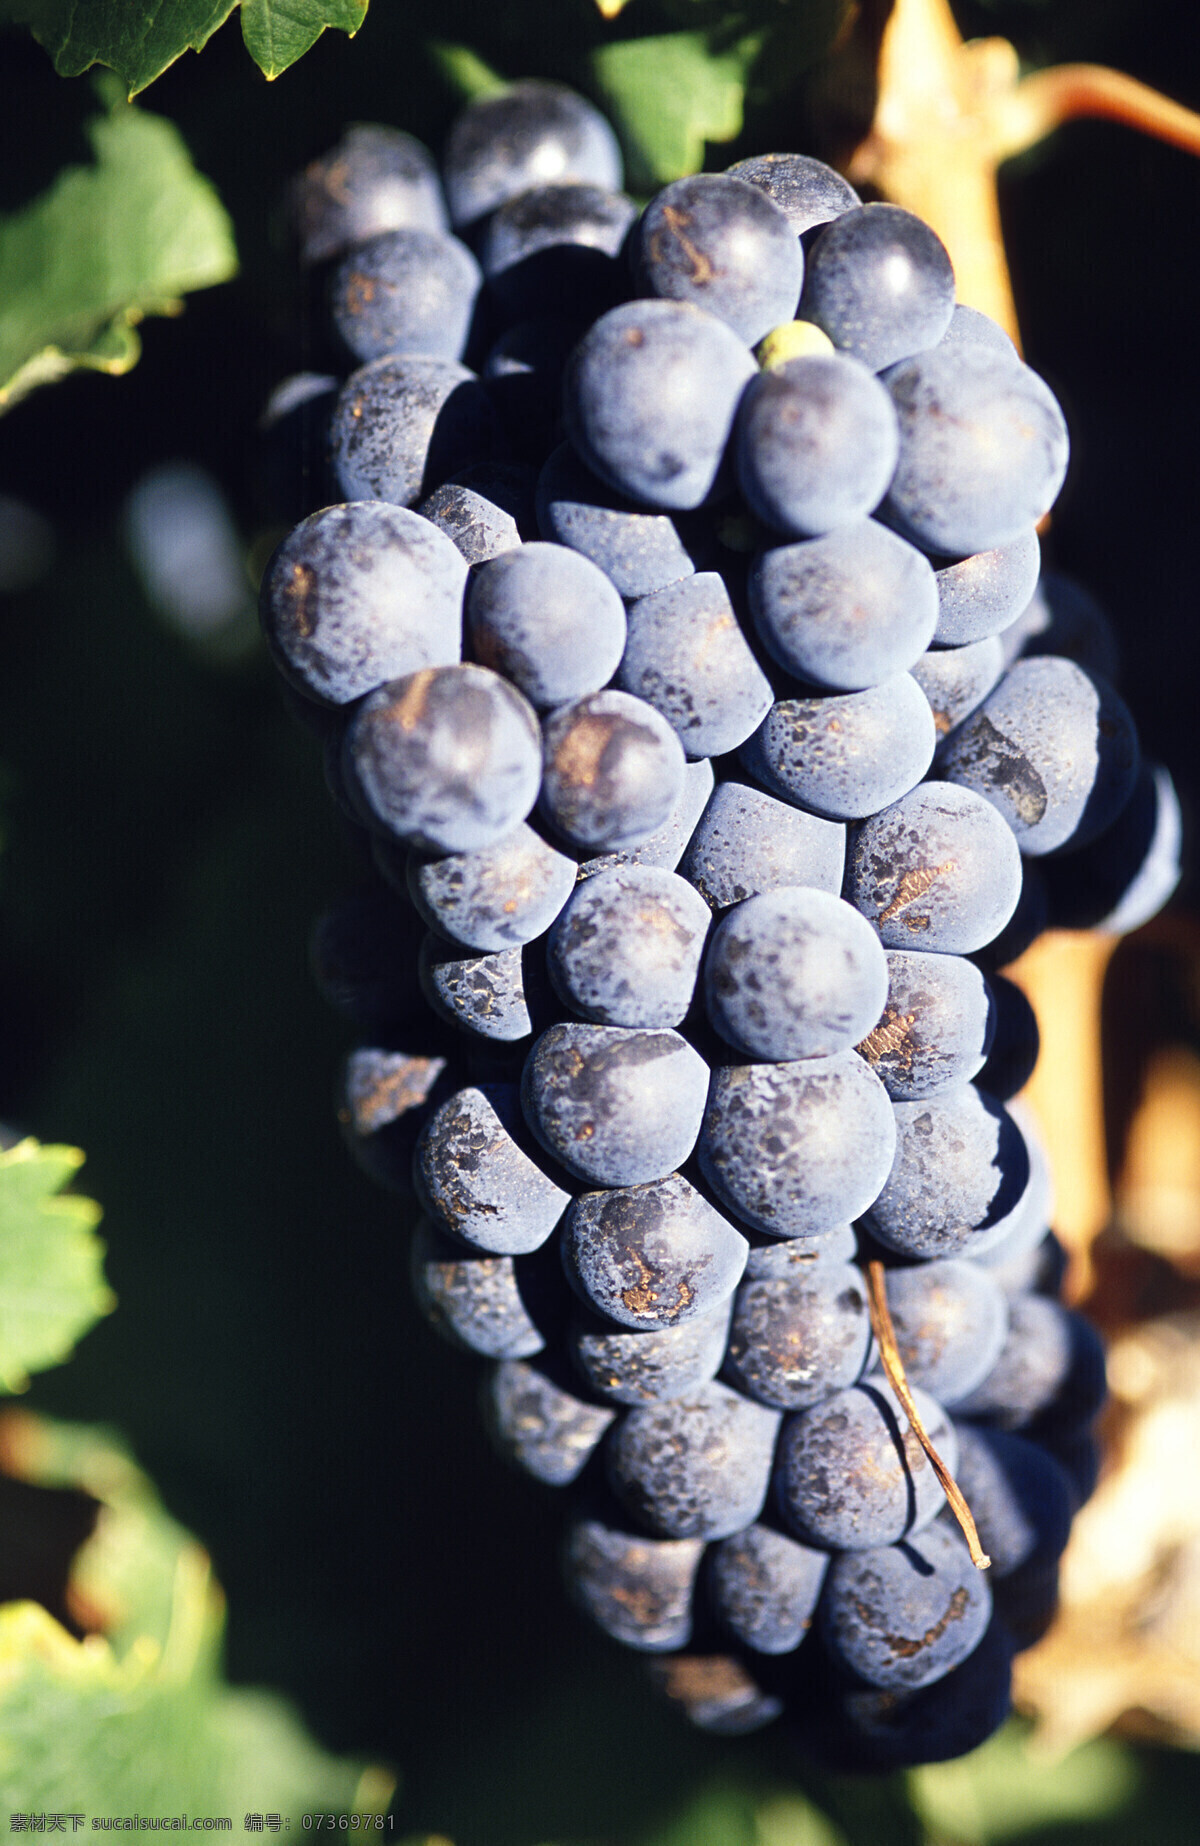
880	284
765	1587
846	755
983	449
406	291
637	1589
847	610
799	1338
939	870
652	1256
686	656
936	1028
626	949
476	1179
792	974
902	1616
807	192
447	759
694	1467
747	842
817	443
504	142
613	771
498	897
545	1430
405	424
852	1475
359	594
638	1366
618	1107
1053	749
720	244
548	620
376	179
960	1174
650	396
797	1149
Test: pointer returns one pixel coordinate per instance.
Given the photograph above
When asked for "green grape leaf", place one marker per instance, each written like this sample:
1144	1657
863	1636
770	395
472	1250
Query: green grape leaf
103	246
277	32
140	42
52	1286
668	95
138	1715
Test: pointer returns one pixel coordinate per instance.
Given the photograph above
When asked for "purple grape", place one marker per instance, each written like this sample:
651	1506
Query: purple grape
545	1430
407	291
498	897
376	179
524	135
652	1256
638	1590
950	1320
651	392
616	1106
960	1175
797	1339
847	610
956	680
938	870
936	1029
403	425
478	1181
447	759
1053	749
634	1366
747	842
626	949
846	755
547	619
552	250
665	846
694	1467
852	1475
903	1616
721	245
817	444
613	771
807	192
686	656
983	449
473	1301
984	594
880	284
360	594
765	1588
797	1149
639	551
794	973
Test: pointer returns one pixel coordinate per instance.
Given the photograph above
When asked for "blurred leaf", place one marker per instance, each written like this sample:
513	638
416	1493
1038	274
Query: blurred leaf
140	41
52	1286
464	70
729	1816
103	246
669	95
140	1714
1005	1789
277	32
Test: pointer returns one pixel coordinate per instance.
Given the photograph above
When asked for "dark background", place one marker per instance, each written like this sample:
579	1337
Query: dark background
169	841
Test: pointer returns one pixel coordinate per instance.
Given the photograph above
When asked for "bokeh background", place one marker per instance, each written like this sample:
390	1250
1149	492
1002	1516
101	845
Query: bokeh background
168	842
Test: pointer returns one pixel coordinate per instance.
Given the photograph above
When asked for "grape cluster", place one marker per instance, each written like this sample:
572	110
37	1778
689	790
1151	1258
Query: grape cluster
678	638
